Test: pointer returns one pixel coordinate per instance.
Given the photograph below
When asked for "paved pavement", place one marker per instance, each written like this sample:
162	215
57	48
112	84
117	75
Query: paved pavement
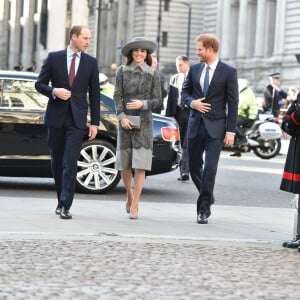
165	254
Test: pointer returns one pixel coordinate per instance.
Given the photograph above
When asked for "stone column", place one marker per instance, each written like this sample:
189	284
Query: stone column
130	20
110	38
56	38
225	34
14	42
27	23
279	27
219	15
242	31
124	16
4	35
260	29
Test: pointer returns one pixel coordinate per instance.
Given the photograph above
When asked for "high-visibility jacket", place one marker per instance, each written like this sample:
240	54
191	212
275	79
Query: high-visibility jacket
108	89
247	104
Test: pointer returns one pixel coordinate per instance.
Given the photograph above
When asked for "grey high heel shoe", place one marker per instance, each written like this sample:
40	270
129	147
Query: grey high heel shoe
127	207
133	217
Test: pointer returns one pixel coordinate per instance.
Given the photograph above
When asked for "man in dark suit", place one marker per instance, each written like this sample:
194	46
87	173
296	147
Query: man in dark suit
155	65
211	92
72	74
179	111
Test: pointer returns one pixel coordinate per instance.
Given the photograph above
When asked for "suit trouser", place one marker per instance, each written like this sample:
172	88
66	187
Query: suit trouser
204	176
182	118
65	145
243	124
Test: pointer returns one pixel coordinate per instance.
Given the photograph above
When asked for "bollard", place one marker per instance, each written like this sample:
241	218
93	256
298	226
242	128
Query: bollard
297	218
295	242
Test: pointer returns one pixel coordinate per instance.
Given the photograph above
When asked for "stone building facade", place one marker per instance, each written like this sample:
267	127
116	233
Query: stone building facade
258	37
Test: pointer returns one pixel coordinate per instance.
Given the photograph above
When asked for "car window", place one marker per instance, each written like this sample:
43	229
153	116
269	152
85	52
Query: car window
107	104
21	94
105	107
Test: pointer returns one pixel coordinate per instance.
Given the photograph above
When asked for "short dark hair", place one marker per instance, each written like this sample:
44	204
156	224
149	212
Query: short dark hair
76	29
208	40
183	58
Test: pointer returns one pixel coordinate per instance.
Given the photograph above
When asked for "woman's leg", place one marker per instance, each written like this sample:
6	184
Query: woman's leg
139	180
127	180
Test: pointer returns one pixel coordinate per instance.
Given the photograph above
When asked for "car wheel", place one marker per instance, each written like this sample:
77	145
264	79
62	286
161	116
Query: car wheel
96	167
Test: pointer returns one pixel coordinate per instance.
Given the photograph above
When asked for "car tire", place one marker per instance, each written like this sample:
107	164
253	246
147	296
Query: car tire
96	167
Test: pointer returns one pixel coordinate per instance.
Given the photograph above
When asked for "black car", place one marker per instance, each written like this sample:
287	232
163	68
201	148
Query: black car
23	138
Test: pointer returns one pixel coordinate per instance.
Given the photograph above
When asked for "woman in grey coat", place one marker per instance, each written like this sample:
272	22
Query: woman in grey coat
137	92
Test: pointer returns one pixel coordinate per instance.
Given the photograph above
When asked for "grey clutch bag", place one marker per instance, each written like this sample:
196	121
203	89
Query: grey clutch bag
135	120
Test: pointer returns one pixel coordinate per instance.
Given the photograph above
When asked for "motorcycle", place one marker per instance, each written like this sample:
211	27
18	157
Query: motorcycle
264	138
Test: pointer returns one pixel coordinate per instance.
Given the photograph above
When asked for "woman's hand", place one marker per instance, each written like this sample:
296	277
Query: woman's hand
126	124
134	104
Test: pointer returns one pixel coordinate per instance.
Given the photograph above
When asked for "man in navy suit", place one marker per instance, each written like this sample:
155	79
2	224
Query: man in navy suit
65	78
211	92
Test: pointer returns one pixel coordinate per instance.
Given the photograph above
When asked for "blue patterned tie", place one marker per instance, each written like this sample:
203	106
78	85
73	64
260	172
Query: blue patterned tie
206	81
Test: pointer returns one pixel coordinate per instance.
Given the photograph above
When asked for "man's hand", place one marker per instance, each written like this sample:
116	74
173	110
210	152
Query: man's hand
62	93
93	130
200	105
229	139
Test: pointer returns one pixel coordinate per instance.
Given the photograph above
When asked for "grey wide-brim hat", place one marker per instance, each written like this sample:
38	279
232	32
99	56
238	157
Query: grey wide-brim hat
139	42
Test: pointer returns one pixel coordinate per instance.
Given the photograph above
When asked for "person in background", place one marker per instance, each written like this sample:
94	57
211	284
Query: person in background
105	86
32	68
137	93
179	111
290	181
65	78
292	95
162	83
274	96
247	113
211	92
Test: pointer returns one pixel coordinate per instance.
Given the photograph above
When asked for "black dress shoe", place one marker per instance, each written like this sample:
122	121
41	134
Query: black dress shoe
184	177
294	244
284	244
65	214
236	153
202	219
58	210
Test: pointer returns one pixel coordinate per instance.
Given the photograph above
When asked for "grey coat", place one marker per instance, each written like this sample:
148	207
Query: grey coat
142	83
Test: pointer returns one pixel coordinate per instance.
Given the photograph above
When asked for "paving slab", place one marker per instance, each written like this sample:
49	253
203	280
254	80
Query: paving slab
35	217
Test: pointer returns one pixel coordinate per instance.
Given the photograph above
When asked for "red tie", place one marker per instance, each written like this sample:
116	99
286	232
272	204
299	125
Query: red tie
72	70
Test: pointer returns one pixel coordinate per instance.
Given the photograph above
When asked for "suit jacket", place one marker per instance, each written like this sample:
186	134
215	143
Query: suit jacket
222	94
172	101
172	97
55	70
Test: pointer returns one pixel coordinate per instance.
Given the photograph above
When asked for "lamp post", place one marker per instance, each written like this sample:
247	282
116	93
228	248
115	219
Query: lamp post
107	7
158	29
98	31
297	216
189	5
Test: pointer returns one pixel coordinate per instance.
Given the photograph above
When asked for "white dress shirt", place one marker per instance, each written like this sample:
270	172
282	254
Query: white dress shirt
70	57
212	68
